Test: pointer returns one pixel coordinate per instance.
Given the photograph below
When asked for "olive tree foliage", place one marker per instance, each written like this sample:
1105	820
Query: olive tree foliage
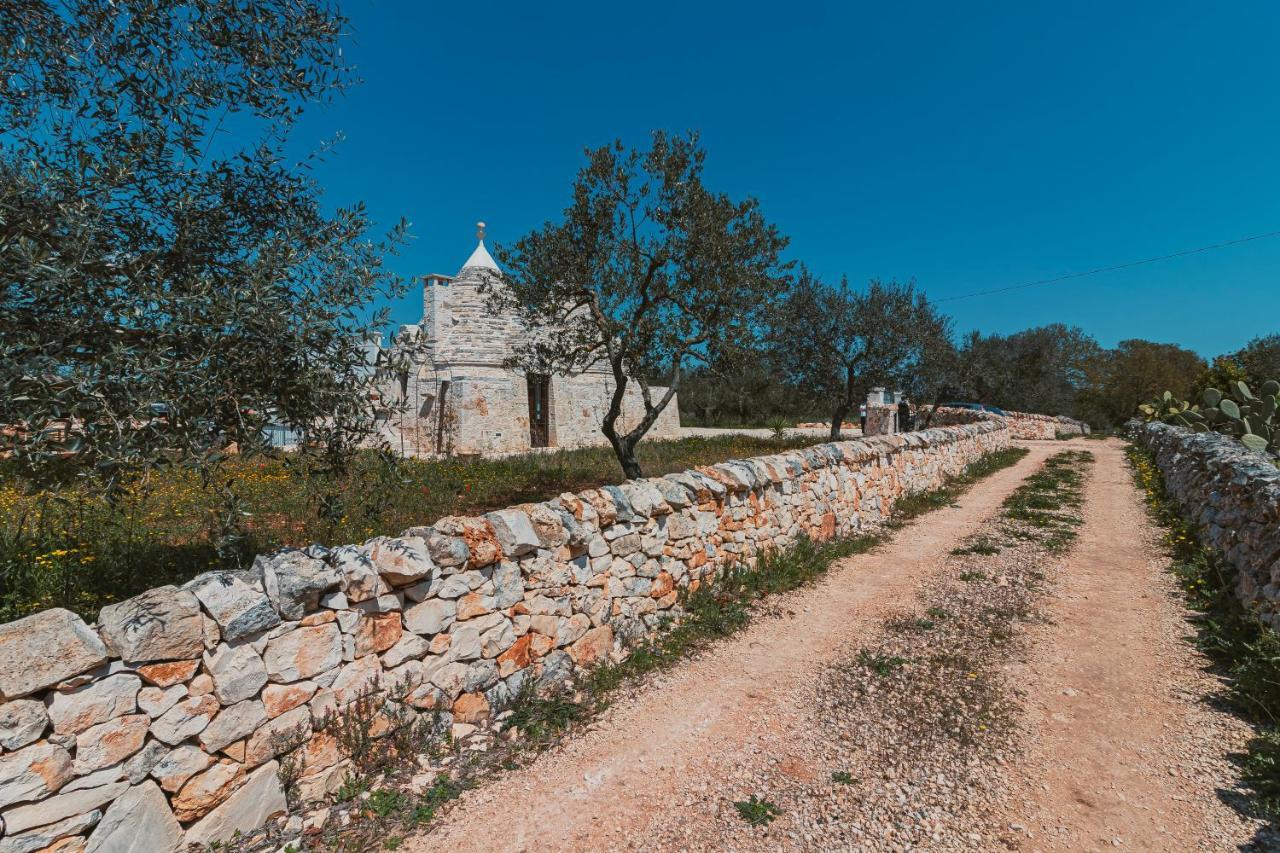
645	272
839	342
1043	369
170	281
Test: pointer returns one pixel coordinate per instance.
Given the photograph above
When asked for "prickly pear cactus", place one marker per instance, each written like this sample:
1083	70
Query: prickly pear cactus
1236	411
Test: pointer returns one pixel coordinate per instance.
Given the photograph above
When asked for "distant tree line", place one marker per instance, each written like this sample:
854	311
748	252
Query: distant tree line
1053	369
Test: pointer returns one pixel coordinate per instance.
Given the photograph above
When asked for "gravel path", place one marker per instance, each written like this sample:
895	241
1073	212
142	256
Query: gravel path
1123	748
903	703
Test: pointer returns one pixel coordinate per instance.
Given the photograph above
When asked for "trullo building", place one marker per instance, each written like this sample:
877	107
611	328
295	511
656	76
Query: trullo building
461	396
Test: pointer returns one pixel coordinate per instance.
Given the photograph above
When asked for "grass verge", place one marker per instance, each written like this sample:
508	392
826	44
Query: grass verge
68	547
1245	652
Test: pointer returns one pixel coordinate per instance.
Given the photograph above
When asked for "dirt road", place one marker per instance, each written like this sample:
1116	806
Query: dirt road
1118	750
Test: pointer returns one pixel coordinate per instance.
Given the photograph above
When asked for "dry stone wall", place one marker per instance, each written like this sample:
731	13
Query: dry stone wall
1022	425
168	722
1233	496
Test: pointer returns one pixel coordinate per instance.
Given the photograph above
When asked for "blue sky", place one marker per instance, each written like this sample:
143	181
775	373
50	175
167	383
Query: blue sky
968	146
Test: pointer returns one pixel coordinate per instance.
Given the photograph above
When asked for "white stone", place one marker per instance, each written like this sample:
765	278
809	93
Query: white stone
43	838
514	531
110	742
139	820
232	724
33	773
408	647
154	701
258	800
238	672
40	650
179	765
160	624
61	807
431	616
22	721
238	608
186	719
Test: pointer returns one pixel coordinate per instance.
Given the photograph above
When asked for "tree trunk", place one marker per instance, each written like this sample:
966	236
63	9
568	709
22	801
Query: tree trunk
837	419
622	448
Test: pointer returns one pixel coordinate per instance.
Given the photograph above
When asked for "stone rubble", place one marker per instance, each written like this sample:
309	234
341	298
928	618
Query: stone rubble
174	716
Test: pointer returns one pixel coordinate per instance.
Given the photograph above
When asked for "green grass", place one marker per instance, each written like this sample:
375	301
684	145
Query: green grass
69	548
1245	652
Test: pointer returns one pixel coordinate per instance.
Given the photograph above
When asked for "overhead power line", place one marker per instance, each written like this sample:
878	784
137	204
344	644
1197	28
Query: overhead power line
1124	266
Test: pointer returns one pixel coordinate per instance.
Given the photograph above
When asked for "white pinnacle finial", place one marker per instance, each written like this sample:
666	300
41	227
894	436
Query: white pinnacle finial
481	257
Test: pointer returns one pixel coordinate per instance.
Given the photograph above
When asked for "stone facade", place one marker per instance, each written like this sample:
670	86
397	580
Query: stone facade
1233	496
460	397
167	722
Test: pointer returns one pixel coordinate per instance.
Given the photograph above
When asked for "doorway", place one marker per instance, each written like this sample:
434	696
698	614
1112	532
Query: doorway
539	409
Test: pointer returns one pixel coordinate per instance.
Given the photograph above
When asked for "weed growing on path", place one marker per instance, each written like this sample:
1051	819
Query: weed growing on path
757	812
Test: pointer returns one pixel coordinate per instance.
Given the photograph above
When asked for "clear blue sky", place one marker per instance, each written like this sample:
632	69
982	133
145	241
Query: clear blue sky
967	146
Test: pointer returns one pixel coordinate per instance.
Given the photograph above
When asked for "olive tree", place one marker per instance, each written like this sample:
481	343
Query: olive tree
170	280
838	341
646	270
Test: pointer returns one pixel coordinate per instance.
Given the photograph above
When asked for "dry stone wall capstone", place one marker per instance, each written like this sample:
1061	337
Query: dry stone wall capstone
168	721
1233	496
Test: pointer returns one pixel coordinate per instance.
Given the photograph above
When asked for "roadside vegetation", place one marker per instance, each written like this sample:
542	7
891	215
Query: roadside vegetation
72	547
1245	652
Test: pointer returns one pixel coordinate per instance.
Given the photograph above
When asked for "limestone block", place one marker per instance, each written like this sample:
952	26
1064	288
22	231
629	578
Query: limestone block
167	674
144	760
357	678
260	799
33	773
138	820
287	731
408	647
186	719
238	672
154	701
514	532
21	722
431	616
547	524
232	724
279	698
61	807
401	561
238	608
161	624
178	765
360	578
477	534
42	649
303	653
73	711
111	742
377	633
53	838
294	581
206	790
446	551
